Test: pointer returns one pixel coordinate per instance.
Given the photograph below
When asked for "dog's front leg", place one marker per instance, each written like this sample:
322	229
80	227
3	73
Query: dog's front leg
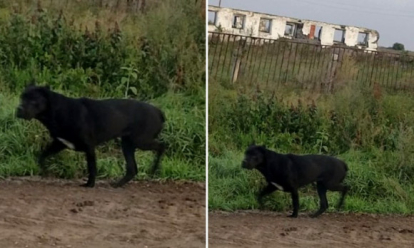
91	161
53	148
265	191
295	203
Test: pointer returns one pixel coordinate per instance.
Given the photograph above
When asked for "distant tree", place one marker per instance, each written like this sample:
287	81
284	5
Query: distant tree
398	46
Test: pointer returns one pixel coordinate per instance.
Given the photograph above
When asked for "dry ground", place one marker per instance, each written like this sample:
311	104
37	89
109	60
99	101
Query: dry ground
55	213
265	229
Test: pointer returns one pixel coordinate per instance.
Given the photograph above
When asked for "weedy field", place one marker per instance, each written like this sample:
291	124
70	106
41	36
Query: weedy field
370	128
103	49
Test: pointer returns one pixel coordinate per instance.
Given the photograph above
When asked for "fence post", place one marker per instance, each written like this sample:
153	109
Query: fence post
236	65
333	64
238	54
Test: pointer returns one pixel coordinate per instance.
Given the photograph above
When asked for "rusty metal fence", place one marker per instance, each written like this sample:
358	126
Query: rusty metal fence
272	63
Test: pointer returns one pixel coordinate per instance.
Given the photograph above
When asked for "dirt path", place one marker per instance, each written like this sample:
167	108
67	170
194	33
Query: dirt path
254	229
39	213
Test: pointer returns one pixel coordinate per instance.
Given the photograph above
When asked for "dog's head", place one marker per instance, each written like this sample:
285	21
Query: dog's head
33	102
253	157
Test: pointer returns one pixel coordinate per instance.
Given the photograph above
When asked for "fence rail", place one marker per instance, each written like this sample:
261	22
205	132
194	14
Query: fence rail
273	63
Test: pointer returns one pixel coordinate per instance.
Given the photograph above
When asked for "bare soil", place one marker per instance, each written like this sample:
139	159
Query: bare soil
55	213
265	229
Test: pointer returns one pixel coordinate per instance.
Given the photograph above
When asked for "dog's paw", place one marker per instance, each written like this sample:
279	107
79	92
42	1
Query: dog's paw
116	185
315	215
43	173
293	216
87	185
261	205
154	173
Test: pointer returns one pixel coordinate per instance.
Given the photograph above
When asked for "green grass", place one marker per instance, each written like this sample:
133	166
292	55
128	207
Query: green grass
373	136
82	49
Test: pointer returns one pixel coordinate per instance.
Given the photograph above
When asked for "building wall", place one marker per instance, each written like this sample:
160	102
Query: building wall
225	17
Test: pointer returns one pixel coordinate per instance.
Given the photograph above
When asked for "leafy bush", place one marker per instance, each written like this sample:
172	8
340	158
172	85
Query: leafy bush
52	48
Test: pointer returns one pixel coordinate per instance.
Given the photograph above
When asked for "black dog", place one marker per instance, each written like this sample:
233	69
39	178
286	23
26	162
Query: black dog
81	124
288	172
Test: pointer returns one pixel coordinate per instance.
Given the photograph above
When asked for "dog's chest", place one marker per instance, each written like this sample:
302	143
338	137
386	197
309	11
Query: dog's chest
278	186
280	181
68	144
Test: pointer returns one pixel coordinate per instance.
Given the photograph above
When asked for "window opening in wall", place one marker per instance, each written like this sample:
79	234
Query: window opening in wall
362	39
318	33
265	25
339	36
238	21
212	17
289	29
299	31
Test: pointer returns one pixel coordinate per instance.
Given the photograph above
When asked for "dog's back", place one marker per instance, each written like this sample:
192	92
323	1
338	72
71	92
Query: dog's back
300	170
121	117
311	168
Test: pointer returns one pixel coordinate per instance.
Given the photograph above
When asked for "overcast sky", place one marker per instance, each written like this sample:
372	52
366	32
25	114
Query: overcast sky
394	19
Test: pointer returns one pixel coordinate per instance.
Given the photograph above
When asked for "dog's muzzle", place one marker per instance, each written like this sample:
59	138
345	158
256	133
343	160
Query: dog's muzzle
19	112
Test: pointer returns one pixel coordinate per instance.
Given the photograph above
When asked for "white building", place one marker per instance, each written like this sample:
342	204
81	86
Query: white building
259	25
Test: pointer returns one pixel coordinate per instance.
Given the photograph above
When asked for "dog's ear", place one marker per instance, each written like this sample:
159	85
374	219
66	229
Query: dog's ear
31	83
262	149
45	90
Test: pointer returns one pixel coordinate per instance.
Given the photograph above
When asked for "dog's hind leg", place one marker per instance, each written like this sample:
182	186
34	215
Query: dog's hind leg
128	149
52	149
295	202
323	202
343	189
91	160
159	149
265	191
